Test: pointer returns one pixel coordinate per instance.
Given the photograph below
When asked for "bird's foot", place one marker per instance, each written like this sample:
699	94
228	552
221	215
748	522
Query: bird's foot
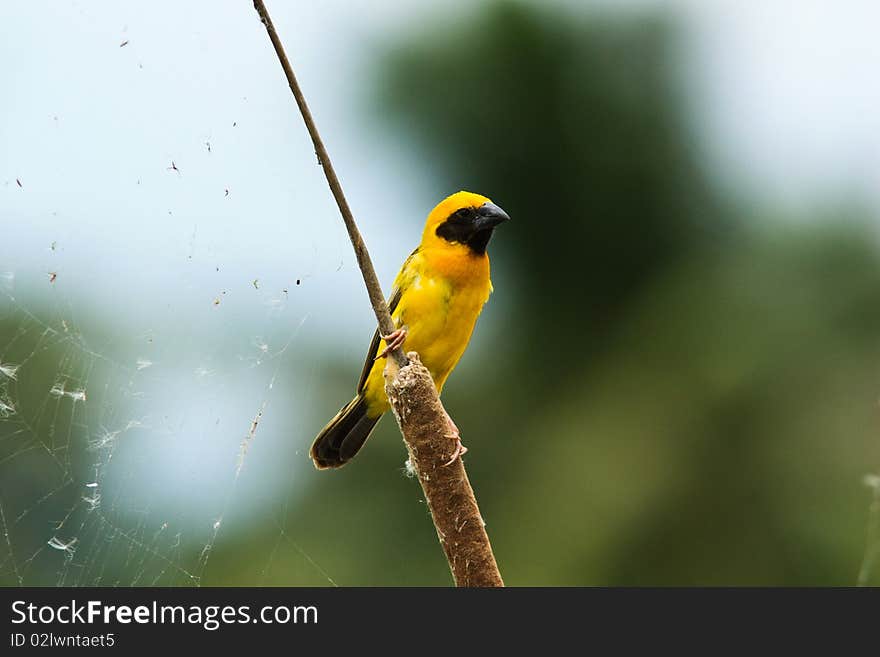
460	450
392	341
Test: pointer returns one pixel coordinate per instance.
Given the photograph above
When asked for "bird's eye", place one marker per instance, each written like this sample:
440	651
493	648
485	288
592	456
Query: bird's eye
463	213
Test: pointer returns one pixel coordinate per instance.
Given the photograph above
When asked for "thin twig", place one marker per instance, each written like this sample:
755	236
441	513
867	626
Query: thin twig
413	397
374	289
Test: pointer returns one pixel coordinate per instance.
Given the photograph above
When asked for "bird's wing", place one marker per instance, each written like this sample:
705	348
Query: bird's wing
396	294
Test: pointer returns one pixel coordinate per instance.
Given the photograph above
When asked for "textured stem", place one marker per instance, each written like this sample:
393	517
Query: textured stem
413	398
448	491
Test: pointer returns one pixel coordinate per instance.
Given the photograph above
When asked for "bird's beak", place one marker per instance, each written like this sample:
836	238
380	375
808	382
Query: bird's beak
490	215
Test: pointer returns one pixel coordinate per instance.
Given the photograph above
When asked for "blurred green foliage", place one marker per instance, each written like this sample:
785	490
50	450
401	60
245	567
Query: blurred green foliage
683	391
578	126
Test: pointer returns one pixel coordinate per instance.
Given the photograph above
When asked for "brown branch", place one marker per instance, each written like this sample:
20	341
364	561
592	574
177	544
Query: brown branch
374	289
450	498
413	397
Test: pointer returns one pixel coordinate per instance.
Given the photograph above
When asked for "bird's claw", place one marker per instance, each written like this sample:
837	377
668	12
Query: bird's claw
392	341
460	450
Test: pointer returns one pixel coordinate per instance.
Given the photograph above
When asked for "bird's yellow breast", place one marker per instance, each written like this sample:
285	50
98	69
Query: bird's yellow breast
443	291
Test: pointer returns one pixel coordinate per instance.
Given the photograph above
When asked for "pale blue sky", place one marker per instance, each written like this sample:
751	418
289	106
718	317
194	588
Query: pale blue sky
786	99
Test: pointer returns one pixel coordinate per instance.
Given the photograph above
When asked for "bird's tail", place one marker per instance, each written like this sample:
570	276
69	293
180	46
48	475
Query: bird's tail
344	435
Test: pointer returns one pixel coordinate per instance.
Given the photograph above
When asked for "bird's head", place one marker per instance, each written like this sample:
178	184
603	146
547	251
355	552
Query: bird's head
463	218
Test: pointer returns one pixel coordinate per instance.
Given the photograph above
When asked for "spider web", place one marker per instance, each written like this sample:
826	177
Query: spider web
168	247
82	500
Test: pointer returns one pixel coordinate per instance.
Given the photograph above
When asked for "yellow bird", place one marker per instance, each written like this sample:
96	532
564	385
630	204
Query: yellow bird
438	295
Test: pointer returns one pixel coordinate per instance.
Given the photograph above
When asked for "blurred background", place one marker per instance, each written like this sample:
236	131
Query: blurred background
674	383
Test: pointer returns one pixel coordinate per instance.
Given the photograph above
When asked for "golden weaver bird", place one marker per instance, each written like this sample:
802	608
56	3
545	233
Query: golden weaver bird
438	295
